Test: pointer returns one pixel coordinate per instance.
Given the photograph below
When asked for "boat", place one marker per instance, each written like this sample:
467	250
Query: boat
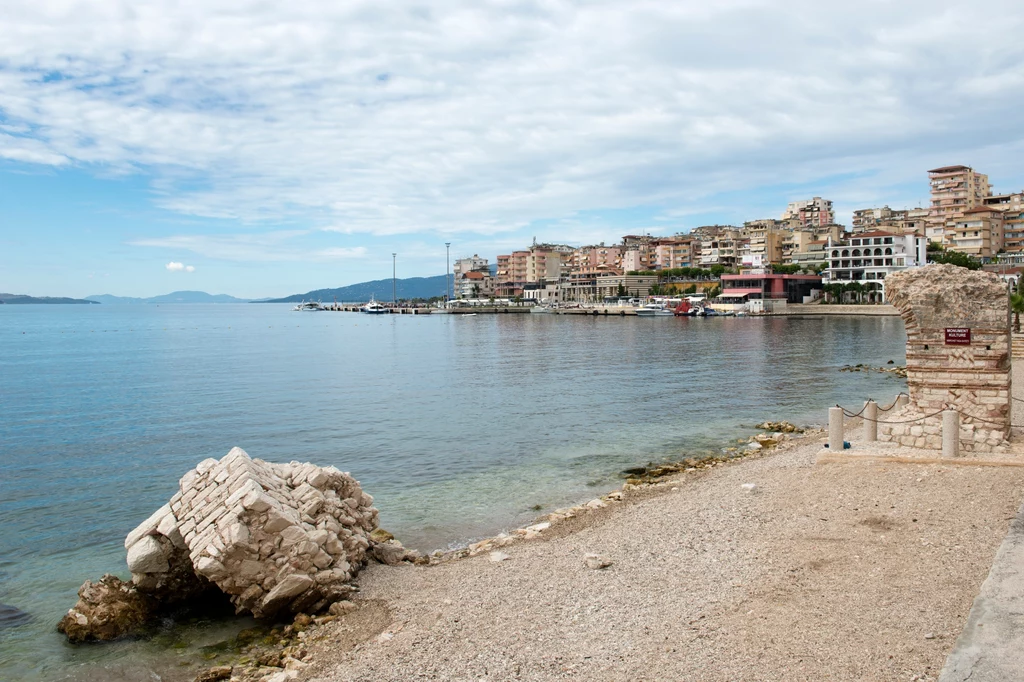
310	305
655	310
542	309
374	307
685	309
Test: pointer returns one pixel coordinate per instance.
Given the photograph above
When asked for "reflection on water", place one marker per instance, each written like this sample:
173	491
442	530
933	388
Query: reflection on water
459	426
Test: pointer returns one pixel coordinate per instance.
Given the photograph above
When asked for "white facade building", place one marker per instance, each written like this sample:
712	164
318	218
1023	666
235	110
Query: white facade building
870	257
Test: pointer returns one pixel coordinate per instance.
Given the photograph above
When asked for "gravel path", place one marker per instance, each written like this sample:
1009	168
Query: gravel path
843	571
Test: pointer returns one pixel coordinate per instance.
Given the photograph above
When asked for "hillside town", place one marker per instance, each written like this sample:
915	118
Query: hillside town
799	257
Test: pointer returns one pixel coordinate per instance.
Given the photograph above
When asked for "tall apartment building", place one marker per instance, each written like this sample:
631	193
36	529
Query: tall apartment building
764	244
1012	208
596	257
682	251
472	264
539	263
723	247
954	191
978	232
816	211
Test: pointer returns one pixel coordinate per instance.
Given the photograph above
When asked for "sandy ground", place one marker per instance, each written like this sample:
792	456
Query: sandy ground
834	571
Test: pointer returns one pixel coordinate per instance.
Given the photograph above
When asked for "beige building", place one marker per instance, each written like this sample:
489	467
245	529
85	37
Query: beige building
954	191
1012	208
978	232
676	252
722	248
764	244
816	211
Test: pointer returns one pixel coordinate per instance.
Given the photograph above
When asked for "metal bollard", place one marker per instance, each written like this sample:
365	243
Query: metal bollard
902	401
870	421
835	429
950	433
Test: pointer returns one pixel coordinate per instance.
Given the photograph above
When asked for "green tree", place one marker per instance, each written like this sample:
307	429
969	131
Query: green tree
717	269
713	292
955	258
1017	306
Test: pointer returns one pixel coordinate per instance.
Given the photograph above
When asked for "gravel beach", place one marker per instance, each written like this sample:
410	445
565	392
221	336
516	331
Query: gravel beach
830	571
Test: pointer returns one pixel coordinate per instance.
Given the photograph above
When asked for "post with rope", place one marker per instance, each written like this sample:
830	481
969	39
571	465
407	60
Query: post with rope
950	433
870	421
835	428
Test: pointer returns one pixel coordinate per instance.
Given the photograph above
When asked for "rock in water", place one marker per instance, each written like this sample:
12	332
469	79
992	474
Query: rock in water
275	538
106	610
11	617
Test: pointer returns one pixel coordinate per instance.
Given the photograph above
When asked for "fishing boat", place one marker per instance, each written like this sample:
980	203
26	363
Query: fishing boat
310	306
374	307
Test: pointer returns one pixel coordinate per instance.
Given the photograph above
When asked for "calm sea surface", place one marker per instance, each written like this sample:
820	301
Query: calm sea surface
456	425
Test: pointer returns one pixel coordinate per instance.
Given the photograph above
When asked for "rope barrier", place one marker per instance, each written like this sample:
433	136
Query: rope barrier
851	415
894	402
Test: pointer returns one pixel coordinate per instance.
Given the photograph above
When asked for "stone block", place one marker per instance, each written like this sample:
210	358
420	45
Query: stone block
147	555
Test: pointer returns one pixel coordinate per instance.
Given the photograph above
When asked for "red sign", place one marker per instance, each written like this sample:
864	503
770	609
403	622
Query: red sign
958	336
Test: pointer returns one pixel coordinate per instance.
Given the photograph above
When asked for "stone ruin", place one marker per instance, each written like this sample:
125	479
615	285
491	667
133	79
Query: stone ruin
277	539
958	356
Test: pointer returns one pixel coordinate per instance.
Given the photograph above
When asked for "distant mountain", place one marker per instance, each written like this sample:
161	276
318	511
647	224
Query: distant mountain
380	289
21	298
174	297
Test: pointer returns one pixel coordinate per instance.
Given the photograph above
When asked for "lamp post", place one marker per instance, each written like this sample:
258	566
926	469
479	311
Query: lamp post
394	288
447	269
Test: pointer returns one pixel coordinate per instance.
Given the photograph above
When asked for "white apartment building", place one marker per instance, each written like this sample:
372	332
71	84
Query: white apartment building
870	257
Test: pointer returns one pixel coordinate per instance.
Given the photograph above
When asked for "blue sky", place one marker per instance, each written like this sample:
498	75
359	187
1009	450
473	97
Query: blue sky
275	148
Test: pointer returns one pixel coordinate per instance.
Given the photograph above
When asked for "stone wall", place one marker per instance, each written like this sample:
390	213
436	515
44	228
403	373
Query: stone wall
973	379
275	538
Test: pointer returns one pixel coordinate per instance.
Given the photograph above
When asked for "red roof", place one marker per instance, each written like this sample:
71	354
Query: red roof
473	275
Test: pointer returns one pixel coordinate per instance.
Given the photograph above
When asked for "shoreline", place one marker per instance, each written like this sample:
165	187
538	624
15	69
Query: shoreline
708	580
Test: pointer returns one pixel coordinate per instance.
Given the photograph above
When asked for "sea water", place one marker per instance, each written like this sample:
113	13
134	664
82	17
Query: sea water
459	426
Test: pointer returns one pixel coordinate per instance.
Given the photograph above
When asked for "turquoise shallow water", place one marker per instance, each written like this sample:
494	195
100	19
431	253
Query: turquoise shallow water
456	425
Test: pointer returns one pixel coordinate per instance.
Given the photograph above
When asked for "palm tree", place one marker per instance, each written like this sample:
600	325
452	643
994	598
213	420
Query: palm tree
1017	306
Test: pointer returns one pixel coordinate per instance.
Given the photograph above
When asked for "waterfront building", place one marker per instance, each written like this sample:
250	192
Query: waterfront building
595	285
954	190
869	257
978	232
472	264
474	284
749	286
540	263
816	211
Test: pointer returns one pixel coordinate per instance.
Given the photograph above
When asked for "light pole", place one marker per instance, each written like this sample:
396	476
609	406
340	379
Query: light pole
394	288
447	269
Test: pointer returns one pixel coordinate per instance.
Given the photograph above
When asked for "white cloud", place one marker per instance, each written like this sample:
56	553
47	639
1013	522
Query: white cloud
273	246
179	267
452	118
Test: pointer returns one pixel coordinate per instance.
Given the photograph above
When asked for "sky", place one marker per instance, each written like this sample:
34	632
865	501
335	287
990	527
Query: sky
264	148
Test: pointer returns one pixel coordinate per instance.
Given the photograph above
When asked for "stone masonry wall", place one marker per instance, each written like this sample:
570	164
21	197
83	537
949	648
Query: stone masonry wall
973	379
274	537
